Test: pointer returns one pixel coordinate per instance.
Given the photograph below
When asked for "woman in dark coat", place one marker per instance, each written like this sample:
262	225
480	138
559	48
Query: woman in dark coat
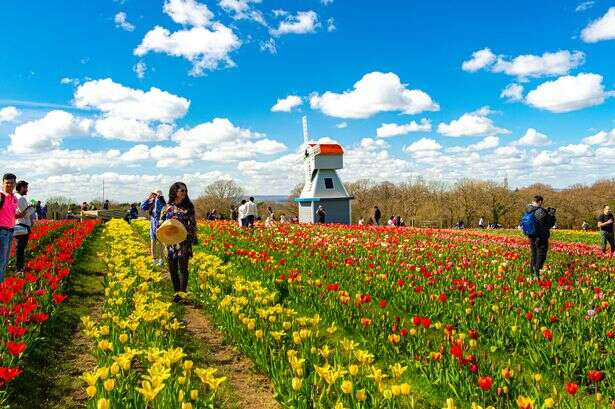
181	208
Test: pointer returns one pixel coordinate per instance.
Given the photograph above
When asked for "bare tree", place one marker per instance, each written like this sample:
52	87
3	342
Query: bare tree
219	195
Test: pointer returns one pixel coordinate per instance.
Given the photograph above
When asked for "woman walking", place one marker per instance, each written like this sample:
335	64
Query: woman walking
178	255
154	203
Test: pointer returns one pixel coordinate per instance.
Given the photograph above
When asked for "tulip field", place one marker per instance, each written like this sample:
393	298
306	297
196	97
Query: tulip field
369	317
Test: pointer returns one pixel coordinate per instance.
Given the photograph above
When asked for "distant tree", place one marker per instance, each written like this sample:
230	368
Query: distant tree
59	206
219	195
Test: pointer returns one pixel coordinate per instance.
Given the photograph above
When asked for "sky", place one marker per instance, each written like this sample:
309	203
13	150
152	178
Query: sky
140	94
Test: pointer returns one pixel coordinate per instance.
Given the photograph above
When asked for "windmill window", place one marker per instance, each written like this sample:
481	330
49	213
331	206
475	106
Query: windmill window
328	183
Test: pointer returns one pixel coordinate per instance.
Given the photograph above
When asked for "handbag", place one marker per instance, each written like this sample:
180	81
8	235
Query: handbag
20	230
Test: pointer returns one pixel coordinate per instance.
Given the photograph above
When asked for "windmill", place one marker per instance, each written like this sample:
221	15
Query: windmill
323	187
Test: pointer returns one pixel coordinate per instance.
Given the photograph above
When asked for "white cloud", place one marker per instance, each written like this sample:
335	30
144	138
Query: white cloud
118	101
48	132
576	150
480	59
279	12
514	92
534	66
533	138
303	22
71	81
219	130
269	46
387	130
326	2
242	10
586	5
423	144
375	92
331	25
287	104
526	66
188	12
373	144
130	129
600	29
121	21
471	124
139	68
9	114
342	125
569	93
601	138
136	154
205	48
488	142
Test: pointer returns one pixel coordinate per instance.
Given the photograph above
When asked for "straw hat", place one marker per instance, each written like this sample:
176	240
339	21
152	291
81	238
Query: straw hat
171	232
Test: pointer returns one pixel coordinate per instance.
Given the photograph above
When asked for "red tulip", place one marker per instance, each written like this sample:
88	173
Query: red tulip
15	348
595	376
403	332
416	320
485	382
572	388
382	304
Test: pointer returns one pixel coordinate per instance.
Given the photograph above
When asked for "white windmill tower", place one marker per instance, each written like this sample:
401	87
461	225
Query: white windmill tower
323	187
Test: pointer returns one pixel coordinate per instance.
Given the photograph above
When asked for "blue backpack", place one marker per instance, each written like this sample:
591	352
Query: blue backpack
529	224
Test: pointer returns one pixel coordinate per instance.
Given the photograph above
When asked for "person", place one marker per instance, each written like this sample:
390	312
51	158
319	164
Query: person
605	224
283	219
321	214
84	206
377	216
398	220
27	212
391	221
106	205
481	223
269	221
43	212
585	226
8	215
233	213
154	203
542	221
401	222
39	210
242	214
251	211
270	212
361	221
180	208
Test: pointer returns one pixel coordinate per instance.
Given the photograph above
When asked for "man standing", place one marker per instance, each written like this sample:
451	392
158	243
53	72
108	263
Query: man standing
605	224
251	211
536	224
8	214
27	211
241	214
377	216
321	214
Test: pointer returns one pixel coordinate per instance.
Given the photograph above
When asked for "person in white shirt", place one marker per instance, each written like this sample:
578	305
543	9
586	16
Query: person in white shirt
242	214
251	212
283	219
23	225
361	221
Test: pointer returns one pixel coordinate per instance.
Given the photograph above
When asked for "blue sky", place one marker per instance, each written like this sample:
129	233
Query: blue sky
142	93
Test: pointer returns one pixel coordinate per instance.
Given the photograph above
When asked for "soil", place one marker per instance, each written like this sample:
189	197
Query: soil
248	388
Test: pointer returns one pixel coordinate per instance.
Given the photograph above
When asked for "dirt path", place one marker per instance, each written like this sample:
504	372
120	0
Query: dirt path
246	389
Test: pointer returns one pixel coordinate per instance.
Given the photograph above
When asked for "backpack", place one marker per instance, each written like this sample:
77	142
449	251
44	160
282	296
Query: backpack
529	224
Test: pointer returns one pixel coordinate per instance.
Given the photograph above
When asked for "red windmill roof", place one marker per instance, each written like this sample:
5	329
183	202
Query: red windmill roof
329	148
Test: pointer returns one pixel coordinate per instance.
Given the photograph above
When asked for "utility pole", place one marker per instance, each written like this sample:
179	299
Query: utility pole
103	195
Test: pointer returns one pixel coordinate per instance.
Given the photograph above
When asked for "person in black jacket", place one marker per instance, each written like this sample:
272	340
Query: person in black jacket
539	243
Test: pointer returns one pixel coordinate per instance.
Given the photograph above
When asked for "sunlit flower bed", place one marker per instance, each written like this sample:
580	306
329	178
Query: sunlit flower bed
454	319
139	364
26	303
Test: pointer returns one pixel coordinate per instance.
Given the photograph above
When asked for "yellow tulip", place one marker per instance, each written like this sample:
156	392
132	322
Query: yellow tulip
194	394
103	404
361	395
405	389
123	338
91	391
109	384
297	383
347	387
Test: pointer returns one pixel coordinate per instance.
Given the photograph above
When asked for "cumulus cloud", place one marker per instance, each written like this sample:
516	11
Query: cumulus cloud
480	59
269	46
513	92
375	92
342	125
533	138
423	144
188	12
130	129
600	29
392	129
206	48
116	100
331	25
601	138
71	81
9	114
569	93
121	21
472	124
488	142
139	68
304	22
287	104
48	132
526	66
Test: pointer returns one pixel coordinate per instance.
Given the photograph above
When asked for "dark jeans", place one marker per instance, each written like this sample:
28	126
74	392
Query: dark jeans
607	237
178	268
20	249
539	246
250	221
